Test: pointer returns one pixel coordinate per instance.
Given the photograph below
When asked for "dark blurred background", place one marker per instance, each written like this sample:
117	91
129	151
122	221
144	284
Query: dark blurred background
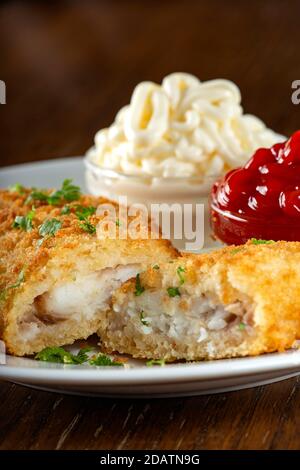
70	65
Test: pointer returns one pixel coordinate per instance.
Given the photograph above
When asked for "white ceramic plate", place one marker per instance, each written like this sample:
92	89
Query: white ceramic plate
136	379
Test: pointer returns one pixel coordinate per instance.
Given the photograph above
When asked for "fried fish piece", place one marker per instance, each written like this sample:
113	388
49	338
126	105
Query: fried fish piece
56	276
237	301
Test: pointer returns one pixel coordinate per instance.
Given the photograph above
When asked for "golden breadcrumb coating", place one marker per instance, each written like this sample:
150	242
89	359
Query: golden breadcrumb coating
28	269
236	301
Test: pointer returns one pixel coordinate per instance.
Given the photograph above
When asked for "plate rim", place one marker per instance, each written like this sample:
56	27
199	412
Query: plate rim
46	162
188	372
218	370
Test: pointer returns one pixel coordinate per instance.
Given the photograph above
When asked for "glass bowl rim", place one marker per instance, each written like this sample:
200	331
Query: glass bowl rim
108	172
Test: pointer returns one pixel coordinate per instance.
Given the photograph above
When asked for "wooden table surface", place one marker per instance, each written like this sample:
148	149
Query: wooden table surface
68	68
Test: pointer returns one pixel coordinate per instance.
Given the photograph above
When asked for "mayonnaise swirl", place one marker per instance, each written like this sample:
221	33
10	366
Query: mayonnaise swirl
182	127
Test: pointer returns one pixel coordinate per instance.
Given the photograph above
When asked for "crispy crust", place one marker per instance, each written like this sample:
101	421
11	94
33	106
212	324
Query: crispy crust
267	275
19	252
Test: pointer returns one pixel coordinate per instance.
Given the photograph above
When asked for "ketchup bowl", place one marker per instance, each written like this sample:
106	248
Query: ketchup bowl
261	199
233	229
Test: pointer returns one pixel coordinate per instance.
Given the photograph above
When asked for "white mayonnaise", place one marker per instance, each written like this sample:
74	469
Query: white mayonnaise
181	128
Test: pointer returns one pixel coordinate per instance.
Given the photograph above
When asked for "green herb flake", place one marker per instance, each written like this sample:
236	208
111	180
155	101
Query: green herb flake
139	289
83	212
173	291
24	222
58	355
103	360
3	294
61	356
40	242
235	251
156	267
242	326
67	193
50	227
156	362
88	227
179	272
256	241
82	355
17	188
36	196
66	210
118	223
143	320
20	280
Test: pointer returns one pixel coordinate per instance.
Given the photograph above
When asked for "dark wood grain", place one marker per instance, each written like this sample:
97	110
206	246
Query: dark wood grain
68	67
263	417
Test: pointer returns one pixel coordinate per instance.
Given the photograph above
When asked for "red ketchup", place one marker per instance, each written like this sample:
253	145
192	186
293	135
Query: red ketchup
261	199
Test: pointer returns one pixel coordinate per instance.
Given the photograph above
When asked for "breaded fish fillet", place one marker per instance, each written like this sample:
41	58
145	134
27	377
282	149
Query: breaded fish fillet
237	301
56	276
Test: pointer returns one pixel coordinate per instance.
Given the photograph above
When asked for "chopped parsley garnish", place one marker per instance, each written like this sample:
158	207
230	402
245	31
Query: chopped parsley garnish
83	212
155	362
49	228
179	271
88	227
139	289
256	241
242	325
155	267
82	355
67	193
118	223
37	196
24	222
103	360
65	210
17	188
143	320
60	355
19	281
235	251
173	291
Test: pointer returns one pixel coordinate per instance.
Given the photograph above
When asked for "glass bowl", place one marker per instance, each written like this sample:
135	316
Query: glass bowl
150	190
